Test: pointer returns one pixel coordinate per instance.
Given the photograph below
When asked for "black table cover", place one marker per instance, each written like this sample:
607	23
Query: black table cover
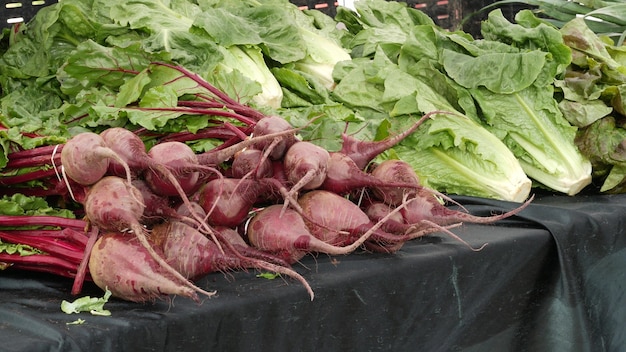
551	279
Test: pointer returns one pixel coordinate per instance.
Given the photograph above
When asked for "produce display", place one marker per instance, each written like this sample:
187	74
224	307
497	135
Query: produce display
146	144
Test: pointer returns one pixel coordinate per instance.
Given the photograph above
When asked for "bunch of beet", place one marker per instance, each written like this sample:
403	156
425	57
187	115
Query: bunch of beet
157	219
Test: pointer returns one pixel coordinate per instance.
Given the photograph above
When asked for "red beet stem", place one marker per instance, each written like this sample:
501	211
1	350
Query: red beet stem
29	176
42	262
41	220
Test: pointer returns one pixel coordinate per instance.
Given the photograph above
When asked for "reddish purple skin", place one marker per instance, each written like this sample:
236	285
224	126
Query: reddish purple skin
194	255
336	212
427	207
343	177
240	245
378	210
305	159
286	236
191	253
157	207
233	199
113	205
251	161
83	160
278	172
129	147
363	152
124	266
269	125
181	160
231	205
394	171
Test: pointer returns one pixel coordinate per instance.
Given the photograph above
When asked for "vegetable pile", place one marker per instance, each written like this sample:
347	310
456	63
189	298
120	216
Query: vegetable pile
191	137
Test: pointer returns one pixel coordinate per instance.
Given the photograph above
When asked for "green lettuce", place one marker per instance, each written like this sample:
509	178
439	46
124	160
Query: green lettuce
596	82
515	95
93	305
450	152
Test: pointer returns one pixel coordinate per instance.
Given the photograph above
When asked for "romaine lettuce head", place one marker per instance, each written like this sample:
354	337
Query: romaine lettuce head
454	154
530	123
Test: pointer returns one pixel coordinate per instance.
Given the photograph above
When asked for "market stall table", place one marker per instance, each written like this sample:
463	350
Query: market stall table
550	279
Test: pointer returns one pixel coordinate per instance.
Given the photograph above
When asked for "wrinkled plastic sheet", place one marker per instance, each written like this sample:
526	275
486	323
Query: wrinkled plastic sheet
550	279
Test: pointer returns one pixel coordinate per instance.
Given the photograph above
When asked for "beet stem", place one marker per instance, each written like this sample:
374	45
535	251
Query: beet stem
41	220
82	270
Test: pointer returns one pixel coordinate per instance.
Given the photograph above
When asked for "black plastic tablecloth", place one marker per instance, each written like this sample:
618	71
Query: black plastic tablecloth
551	279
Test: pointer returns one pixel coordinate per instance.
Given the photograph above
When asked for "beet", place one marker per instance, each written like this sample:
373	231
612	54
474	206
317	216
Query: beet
343	221
85	159
343	176
425	207
270	125
228	201
251	162
305	166
113	205
284	233
183	163
125	267
195	256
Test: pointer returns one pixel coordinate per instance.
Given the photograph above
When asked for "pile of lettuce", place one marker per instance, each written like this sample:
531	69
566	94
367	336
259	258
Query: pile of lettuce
504	83
76	54
369	72
594	99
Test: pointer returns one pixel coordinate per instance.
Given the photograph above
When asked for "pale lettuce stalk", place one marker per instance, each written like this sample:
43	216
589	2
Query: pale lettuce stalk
249	61
322	56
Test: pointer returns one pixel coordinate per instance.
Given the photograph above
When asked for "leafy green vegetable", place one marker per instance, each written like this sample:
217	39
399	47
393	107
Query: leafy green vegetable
451	153
250	62
457	155
19	204
93	305
269	276
531	125
20	249
603	17
93	64
596	83
522	111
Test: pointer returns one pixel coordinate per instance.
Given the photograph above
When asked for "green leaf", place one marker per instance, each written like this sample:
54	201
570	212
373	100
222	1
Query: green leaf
19	249
613	13
499	72
454	154
94	305
584	113
268	276
110	66
19	204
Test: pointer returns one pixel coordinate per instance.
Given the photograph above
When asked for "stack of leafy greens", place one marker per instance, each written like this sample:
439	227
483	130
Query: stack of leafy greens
604	17
504	83
369	72
76	54
594	96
